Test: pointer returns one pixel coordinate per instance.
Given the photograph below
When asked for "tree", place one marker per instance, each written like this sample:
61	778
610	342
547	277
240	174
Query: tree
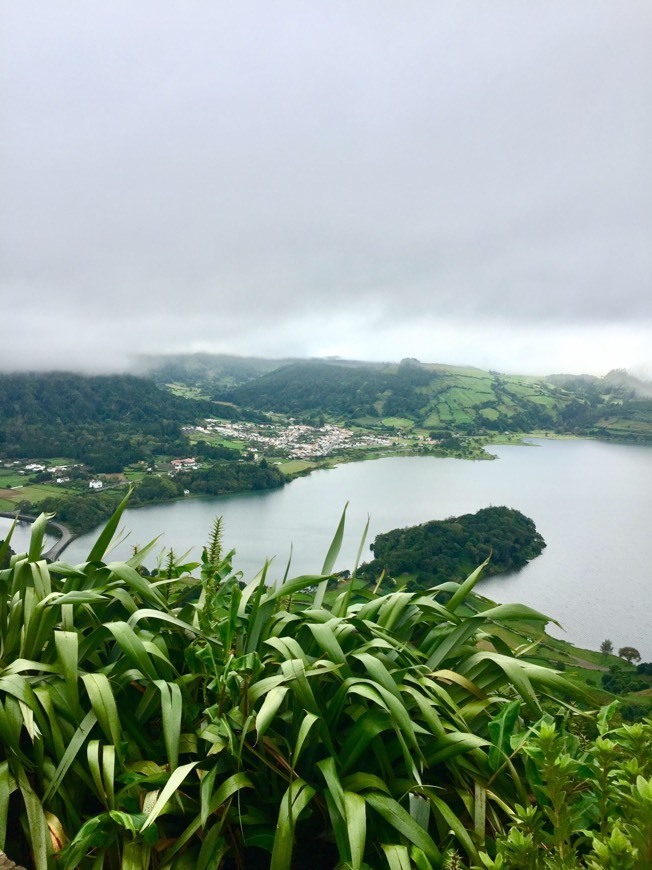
606	647
629	654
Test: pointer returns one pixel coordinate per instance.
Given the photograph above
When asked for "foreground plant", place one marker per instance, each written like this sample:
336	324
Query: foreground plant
593	801
194	721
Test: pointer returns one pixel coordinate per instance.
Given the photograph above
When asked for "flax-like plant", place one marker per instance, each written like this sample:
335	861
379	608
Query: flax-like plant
190	720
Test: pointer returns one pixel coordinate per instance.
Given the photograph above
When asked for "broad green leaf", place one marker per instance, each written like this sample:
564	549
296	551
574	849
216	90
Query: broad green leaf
39	527
137	583
356	826
269	709
133	647
294	801
402	821
304	730
450	645
58	599
101	763
398	857
501	729
453	822
104	706
36	823
513	670
329	644
5	792
288	647
171	713
297	584
67	646
4	545
514	611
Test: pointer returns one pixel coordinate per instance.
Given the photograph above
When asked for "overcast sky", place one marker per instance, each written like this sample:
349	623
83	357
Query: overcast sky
463	182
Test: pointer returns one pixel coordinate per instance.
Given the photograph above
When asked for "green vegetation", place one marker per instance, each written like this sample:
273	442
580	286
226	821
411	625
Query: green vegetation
105	422
202	373
185	719
467	401
448	549
103	425
591	803
85	511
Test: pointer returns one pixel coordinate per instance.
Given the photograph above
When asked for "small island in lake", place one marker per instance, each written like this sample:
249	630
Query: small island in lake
450	549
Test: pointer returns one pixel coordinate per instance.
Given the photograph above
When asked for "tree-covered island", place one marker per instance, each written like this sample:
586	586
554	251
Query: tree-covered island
441	550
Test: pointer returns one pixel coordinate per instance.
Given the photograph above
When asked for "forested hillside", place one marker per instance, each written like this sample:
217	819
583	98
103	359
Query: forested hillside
205	372
439	398
106	422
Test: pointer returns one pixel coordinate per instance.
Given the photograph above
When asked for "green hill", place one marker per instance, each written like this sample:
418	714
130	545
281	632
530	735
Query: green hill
106	422
444	398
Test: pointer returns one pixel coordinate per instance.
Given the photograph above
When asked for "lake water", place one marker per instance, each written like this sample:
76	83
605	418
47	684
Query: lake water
21	535
591	501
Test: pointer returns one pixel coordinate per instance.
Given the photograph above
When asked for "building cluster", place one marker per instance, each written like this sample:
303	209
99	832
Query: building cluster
57	471
296	440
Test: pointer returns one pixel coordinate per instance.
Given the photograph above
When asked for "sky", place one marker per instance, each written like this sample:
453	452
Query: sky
460	182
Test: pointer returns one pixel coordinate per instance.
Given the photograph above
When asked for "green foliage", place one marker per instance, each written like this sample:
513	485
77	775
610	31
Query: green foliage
620	681
449	549
225	477
435	396
106	421
590	802
188	719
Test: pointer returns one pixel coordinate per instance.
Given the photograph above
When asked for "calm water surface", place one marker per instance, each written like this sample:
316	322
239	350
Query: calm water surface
21	535
592	502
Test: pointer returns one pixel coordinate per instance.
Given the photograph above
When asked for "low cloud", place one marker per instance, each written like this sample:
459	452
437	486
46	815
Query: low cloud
302	178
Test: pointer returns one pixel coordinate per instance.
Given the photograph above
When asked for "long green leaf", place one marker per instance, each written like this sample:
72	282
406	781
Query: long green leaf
38	829
101	544
331	558
294	801
304	730
466	587
228	788
501	729
133	647
104	706
269	709
171	786
356	826
5	792
402	821
4	545
36	538
171	713
454	823
398	857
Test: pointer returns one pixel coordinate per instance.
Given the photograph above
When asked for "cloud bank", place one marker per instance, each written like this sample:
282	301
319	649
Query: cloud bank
458	182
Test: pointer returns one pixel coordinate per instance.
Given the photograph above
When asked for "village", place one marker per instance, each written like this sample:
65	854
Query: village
294	441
